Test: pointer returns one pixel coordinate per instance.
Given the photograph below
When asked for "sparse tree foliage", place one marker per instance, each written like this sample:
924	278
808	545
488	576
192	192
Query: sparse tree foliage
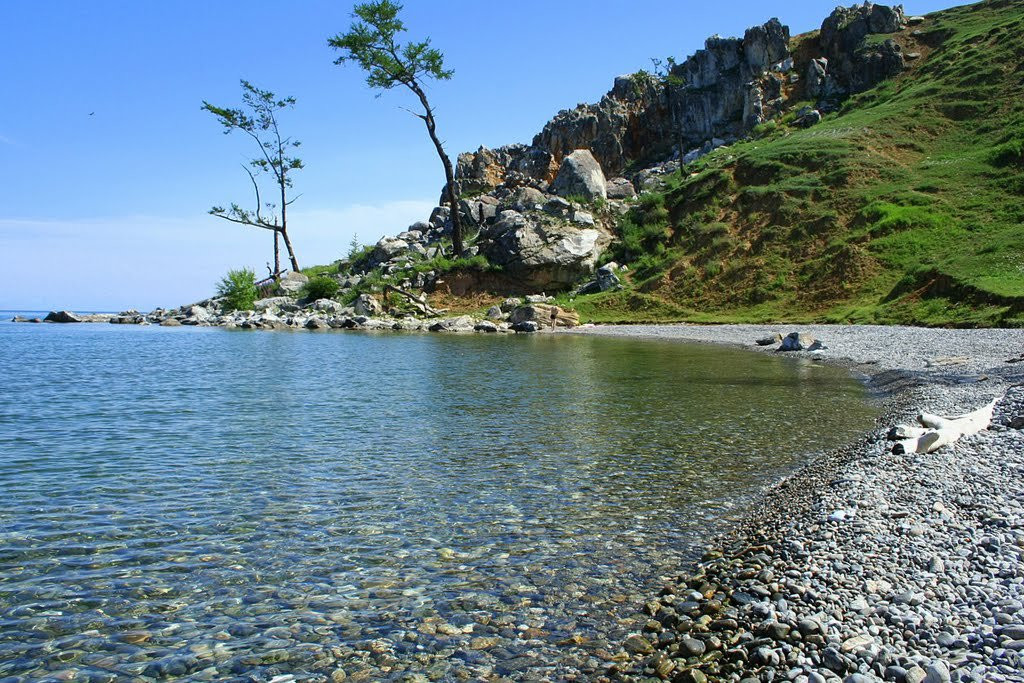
371	42
257	118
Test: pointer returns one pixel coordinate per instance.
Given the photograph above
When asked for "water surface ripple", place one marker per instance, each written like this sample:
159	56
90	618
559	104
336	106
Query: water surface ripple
227	505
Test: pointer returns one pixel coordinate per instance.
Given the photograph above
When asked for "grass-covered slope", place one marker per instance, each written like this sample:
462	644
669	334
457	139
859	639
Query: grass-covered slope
906	206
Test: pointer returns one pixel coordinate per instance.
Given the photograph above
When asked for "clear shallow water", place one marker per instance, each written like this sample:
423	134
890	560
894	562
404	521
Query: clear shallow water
217	505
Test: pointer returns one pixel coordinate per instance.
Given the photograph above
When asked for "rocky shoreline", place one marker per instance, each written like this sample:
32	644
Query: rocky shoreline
533	313
865	565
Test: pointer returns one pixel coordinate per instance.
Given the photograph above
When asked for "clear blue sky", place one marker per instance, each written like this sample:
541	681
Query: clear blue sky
108	166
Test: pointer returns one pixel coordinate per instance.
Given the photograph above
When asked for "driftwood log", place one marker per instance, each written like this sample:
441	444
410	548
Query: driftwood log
936	432
419	302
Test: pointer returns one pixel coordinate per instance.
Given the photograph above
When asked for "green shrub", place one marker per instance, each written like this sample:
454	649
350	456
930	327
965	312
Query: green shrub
887	218
320	288
1008	154
238	288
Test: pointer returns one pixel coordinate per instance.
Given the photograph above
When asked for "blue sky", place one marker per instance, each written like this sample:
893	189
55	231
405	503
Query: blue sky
108	166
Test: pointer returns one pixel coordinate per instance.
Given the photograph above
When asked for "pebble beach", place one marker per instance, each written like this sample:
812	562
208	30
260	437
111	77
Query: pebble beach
864	565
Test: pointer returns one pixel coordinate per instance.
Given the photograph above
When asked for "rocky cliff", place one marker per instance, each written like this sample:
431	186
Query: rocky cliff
712	98
839	189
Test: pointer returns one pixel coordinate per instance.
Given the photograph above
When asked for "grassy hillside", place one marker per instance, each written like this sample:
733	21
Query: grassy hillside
906	206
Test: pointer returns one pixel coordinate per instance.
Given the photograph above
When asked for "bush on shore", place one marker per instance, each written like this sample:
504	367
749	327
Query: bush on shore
238	288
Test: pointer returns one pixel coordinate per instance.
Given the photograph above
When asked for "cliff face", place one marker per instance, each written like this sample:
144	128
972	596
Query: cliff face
714	97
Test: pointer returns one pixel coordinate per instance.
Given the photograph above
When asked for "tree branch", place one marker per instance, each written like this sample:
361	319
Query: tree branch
232	219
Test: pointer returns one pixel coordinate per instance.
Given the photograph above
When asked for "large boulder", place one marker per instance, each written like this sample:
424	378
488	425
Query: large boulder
272	304
292	282
367	305
387	249
580	174
541	252
545	315
620	188
63	317
462	323
525	199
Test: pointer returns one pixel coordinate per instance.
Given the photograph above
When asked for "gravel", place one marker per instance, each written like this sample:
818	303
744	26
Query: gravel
864	565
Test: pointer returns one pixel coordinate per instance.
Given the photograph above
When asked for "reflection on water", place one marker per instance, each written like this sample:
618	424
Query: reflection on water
218	504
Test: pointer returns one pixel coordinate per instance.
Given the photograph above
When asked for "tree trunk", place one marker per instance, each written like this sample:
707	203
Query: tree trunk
941	431
284	224
453	203
449	172
277	255
291	252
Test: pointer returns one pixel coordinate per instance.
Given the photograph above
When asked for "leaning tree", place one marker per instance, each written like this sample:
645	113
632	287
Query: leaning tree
257	118
371	42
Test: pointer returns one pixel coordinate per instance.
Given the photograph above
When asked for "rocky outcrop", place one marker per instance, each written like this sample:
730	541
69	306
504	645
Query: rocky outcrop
544	315
630	122
292	282
542	252
731	85
850	62
712	98
71	317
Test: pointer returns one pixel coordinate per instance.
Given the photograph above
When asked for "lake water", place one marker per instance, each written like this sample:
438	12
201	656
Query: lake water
223	505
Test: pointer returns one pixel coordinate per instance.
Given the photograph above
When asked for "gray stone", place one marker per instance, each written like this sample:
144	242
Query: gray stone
540	253
620	188
580	174
937	672
915	674
272	303
462	323
366	304
556	206
327	306
583	217
797	341
526	199
509	304
291	282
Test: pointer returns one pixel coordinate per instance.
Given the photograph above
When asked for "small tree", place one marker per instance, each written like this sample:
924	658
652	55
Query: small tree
258	120
238	288
371	43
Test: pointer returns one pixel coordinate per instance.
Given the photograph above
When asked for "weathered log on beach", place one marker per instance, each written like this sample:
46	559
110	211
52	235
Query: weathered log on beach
937	431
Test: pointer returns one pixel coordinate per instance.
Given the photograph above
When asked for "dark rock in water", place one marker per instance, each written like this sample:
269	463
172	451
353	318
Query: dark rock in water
525	326
637	645
62	317
170	322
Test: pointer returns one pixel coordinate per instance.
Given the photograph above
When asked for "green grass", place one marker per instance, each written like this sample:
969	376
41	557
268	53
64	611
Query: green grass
906	206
